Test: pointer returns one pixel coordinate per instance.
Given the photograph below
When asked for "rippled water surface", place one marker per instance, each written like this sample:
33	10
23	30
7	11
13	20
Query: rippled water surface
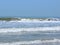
29	33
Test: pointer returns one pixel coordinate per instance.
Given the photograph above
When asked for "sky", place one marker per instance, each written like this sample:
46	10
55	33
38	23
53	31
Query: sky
30	8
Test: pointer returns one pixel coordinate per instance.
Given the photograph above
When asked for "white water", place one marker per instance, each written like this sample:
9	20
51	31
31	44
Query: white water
5	30
28	24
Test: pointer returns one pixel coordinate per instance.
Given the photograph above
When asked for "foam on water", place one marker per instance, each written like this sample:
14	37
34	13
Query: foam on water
28	24
5	30
34	30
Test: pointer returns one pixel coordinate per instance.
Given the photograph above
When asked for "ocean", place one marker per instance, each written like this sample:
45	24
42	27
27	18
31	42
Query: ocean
29	32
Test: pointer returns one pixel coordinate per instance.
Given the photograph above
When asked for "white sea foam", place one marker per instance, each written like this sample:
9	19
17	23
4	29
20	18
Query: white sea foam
29	21
32	42
5	30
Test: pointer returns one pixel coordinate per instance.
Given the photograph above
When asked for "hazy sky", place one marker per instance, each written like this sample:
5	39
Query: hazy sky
30	8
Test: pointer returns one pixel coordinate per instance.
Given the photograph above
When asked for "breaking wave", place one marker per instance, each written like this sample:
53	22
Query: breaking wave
35	34
28	24
5	30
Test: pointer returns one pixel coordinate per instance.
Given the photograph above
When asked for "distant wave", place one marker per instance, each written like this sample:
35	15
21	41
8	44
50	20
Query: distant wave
31	19
28	24
35	42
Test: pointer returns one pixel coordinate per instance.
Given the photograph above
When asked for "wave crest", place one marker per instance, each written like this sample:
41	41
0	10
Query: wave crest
29	29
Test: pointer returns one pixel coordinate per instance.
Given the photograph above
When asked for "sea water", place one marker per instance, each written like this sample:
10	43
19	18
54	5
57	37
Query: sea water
29	32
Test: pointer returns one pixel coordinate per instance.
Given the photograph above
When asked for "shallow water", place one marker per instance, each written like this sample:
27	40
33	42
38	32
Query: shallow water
29	33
